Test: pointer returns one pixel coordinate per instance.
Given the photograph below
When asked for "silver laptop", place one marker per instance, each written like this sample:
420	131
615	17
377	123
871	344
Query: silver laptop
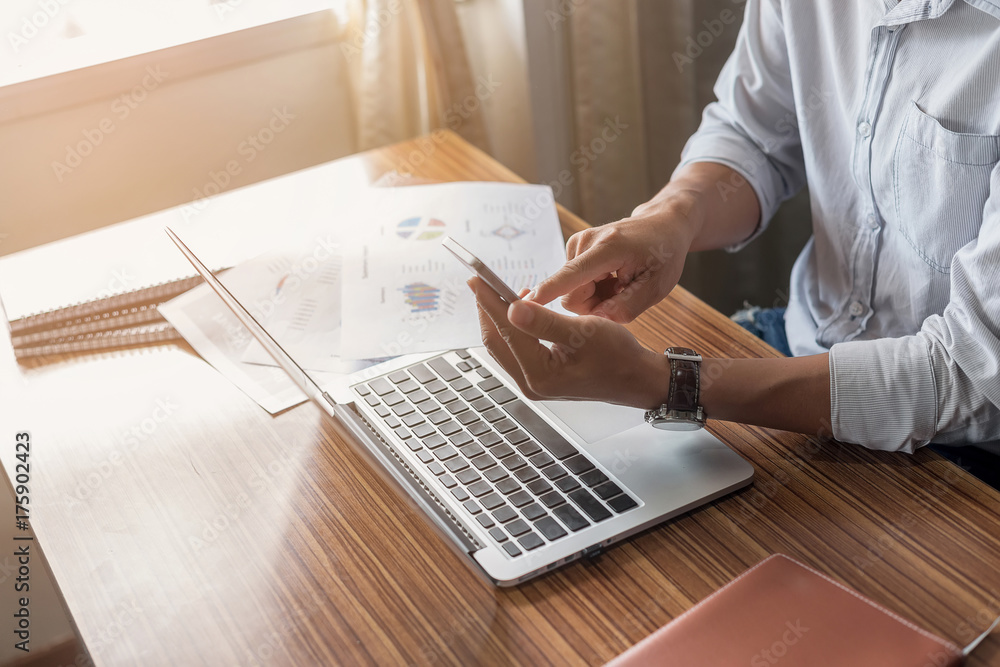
517	487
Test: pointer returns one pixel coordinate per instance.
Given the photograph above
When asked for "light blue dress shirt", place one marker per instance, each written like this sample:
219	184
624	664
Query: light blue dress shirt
891	113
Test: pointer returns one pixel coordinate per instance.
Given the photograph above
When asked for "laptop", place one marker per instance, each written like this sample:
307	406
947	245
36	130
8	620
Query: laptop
516	487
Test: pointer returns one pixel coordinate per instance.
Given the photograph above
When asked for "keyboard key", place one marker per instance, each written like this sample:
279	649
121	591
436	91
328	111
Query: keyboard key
463	366
455	407
502	451
540	460
591	506
413	420
372	400
533	511
401	433
493	415
593	478
449	428
491	439
622	503
552	499
463	354
478	428
483	462
399	376
518	527
502	395
467	417
513	462
438	417
485	520
530	541
546	436
489	384
578	464
421	373
436	468
382	411
479	488
445	453
481	404
427	407
483	373
433	441
526	474
423	430
393	398
472	451
510	547
539	487
444	369
505	425
391	422
424	456
530	449
456	464
414	444
495	474
508	486
419	396
461	495
408	386
520	499
554	471
505	514
567	484
402	409
516	437
607	490
474	362
492	501
468	477
461	384
570	517
436	387
471	395
472	507
498	535
363	389
461	439
380	386
449	482
550	529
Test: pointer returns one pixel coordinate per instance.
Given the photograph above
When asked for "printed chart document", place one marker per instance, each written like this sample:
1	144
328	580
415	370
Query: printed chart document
404	293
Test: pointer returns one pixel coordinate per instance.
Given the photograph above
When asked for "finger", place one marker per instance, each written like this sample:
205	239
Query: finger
629	303
585	298
539	322
498	349
587	267
529	353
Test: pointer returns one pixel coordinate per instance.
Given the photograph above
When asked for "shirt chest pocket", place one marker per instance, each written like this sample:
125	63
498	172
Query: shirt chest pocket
941	180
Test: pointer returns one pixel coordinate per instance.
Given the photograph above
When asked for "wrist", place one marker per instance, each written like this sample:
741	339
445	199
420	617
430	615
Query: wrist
677	212
656	384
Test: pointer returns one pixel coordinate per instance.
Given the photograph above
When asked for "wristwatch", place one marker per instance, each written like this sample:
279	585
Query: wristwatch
682	411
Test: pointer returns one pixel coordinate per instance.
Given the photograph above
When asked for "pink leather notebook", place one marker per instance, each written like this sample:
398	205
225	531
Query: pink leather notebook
781	612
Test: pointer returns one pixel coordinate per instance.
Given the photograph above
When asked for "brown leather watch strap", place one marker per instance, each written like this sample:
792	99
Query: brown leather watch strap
685	381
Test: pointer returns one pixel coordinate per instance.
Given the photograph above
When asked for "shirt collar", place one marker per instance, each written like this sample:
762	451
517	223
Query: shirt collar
909	11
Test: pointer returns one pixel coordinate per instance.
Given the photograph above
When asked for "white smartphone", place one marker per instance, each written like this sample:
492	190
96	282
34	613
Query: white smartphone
479	267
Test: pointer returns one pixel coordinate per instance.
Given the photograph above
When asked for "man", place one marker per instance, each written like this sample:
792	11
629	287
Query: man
891	113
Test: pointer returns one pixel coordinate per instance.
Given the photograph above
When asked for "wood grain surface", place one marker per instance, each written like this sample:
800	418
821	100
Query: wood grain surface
185	526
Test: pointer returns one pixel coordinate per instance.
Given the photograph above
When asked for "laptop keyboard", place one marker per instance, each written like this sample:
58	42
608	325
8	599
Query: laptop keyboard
513	473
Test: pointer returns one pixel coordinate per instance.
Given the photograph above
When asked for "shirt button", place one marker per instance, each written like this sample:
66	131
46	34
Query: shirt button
857	308
865	129
872	221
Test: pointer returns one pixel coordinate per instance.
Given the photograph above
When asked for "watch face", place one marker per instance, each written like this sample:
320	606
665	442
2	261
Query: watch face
676	425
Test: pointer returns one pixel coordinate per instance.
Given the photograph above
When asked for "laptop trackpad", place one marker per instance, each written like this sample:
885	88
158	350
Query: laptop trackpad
593	421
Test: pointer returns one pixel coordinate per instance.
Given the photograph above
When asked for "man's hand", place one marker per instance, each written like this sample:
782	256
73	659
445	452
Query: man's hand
591	359
619	270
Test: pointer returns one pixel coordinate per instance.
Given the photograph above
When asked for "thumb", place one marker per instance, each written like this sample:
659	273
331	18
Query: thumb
629	303
540	322
582	269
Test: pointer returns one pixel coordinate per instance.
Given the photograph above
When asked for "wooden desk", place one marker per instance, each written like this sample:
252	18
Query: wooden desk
185	526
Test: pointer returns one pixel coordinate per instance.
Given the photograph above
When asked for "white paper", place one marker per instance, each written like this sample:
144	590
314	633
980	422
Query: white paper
404	293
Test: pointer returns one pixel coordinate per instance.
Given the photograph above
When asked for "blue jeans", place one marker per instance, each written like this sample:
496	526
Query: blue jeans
767	324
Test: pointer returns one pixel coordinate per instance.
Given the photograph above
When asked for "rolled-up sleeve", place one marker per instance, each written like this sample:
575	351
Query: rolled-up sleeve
941	384
751	127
